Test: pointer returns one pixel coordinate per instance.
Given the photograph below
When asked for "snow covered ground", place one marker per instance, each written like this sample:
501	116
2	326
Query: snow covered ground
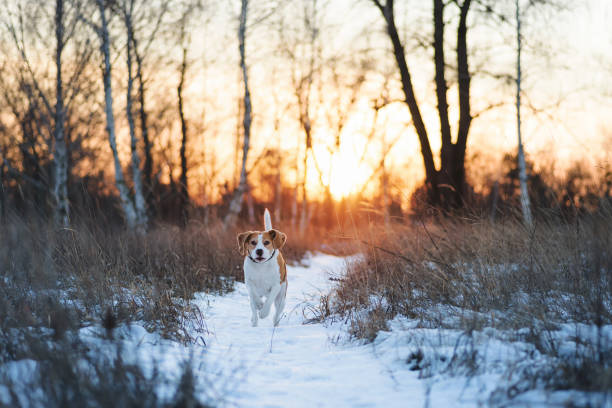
314	364
298	364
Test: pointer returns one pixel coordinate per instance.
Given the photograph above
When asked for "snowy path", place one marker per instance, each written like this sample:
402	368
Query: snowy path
299	366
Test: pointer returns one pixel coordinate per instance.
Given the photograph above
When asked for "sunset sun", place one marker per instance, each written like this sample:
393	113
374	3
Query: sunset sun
341	171
346	175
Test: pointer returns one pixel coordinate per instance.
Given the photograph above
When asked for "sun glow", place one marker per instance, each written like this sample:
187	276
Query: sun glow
342	171
346	175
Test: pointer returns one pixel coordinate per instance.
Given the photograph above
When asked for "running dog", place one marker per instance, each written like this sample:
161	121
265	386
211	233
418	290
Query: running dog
265	271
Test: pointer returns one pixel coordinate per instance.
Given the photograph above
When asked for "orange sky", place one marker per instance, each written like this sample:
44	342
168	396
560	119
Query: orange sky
570	85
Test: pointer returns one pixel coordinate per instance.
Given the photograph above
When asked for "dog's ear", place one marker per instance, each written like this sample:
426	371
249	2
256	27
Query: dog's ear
242	240
278	238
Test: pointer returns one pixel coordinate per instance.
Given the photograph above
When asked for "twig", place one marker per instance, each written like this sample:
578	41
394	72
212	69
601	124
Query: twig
427	232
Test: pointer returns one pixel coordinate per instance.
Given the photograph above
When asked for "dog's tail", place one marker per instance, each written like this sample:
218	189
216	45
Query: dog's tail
267	220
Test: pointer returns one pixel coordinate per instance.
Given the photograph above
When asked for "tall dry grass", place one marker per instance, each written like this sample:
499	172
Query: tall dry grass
471	273
63	279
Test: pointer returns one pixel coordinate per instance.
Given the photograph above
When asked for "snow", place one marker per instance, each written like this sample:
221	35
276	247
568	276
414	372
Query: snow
315	365
298	364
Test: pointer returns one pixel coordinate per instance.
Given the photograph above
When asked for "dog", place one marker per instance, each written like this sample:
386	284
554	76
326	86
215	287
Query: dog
265	271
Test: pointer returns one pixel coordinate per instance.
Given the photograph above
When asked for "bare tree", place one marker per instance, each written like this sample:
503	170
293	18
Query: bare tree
184	40
522	167
278	164
102	31
30	103
184	191
304	54
60	182
127	11
150	20
49	121
236	203
446	186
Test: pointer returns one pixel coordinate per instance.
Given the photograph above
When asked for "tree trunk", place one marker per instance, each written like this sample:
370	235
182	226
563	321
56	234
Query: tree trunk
522	167
2	192
236	203
60	154
304	212
445	187
449	176
147	169
124	193
278	192
410	100
184	192
310	22
139	201
250	207
441	87
294	204
465	116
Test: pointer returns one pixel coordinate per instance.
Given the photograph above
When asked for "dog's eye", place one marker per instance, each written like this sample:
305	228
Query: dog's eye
266	242
253	242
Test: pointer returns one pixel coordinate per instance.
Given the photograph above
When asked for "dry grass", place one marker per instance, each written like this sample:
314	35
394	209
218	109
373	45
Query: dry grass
470	273
70	374
483	267
64	279
55	281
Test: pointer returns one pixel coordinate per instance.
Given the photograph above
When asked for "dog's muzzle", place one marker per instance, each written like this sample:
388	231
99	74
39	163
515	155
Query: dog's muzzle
259	258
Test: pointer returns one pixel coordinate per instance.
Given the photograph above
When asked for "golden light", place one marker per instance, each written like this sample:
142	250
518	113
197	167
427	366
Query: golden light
347	175
342	171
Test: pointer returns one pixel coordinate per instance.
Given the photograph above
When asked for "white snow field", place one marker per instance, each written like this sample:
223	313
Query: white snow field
303	364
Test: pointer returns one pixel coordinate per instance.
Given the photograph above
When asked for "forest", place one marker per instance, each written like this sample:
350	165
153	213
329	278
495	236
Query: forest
442	170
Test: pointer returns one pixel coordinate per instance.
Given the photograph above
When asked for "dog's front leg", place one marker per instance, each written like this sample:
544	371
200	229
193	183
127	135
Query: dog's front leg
255	306
263	313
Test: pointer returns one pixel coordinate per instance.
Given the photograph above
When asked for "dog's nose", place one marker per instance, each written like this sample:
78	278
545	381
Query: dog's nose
259	252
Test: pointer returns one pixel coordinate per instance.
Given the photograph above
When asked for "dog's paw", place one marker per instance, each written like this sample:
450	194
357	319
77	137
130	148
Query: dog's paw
263	313
254	320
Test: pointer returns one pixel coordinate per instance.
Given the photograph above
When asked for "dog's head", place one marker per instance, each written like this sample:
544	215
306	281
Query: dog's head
260	245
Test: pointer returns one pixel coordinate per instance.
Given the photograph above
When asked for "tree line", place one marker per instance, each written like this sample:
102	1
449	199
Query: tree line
54	114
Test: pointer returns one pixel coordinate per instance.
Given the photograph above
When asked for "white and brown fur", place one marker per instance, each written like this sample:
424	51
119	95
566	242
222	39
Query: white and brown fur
265	271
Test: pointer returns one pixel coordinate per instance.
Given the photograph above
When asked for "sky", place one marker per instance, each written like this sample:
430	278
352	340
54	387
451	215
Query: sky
567	67
567	63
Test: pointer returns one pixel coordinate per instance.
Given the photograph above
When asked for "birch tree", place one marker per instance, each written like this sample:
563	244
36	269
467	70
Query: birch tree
127	9
103	33
238	197
522	167
60	155
263	12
